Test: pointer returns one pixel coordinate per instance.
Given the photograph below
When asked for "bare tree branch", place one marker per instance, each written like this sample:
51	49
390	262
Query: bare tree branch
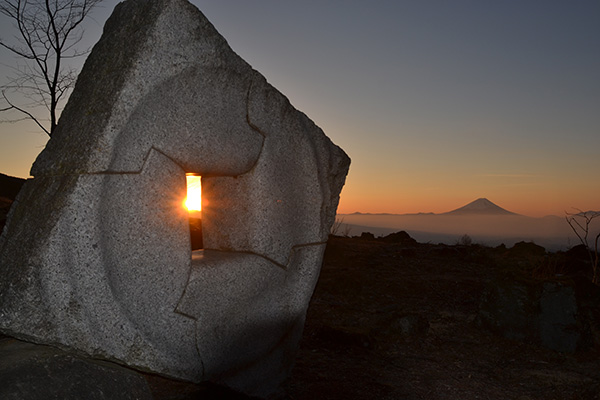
580	224
27	113
48	32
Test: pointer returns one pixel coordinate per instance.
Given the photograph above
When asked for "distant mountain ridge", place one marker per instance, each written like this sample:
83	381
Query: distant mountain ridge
481	206
484	222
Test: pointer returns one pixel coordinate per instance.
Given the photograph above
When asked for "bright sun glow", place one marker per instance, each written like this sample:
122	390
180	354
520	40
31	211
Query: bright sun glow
193	201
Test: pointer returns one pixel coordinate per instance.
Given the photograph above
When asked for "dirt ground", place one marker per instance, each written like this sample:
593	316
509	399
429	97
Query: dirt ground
353	349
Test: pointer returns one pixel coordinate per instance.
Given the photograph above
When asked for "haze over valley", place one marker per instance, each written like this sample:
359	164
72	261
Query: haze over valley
483	221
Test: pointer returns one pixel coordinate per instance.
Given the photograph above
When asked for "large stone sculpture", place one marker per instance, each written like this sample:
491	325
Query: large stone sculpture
96	255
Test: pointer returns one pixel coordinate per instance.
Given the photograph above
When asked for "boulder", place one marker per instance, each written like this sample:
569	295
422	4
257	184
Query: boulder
526	249
398	237
367	236
559	314
96	253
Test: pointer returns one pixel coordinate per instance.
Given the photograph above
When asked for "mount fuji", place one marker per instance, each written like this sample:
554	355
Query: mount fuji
481	206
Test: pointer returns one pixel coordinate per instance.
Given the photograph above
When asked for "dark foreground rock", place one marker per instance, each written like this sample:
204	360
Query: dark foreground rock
560	314
399	237
32	372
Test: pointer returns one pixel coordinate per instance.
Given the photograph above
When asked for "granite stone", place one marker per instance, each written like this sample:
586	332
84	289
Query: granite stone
95	257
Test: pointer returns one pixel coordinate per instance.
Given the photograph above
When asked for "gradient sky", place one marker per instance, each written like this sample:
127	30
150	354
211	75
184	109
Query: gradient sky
437	102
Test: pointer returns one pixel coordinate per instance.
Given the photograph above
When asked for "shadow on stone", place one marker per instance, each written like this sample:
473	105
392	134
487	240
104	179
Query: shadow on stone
32	372
196	233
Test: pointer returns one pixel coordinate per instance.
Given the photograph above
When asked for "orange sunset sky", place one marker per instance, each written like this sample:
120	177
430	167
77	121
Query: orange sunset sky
437	103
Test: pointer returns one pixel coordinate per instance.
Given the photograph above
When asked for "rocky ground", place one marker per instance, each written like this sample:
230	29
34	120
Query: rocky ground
396	321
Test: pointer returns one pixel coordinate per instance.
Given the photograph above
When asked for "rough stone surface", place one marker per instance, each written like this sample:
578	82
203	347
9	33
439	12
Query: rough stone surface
96	252
34	372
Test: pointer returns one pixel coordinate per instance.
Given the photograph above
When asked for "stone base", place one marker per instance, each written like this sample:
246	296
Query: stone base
31	372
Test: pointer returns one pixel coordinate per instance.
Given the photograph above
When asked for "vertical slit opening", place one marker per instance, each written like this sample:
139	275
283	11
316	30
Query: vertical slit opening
193	203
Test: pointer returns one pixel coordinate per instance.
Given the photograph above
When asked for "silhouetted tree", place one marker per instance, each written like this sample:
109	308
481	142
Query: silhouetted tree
465	240
48	32
580	224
